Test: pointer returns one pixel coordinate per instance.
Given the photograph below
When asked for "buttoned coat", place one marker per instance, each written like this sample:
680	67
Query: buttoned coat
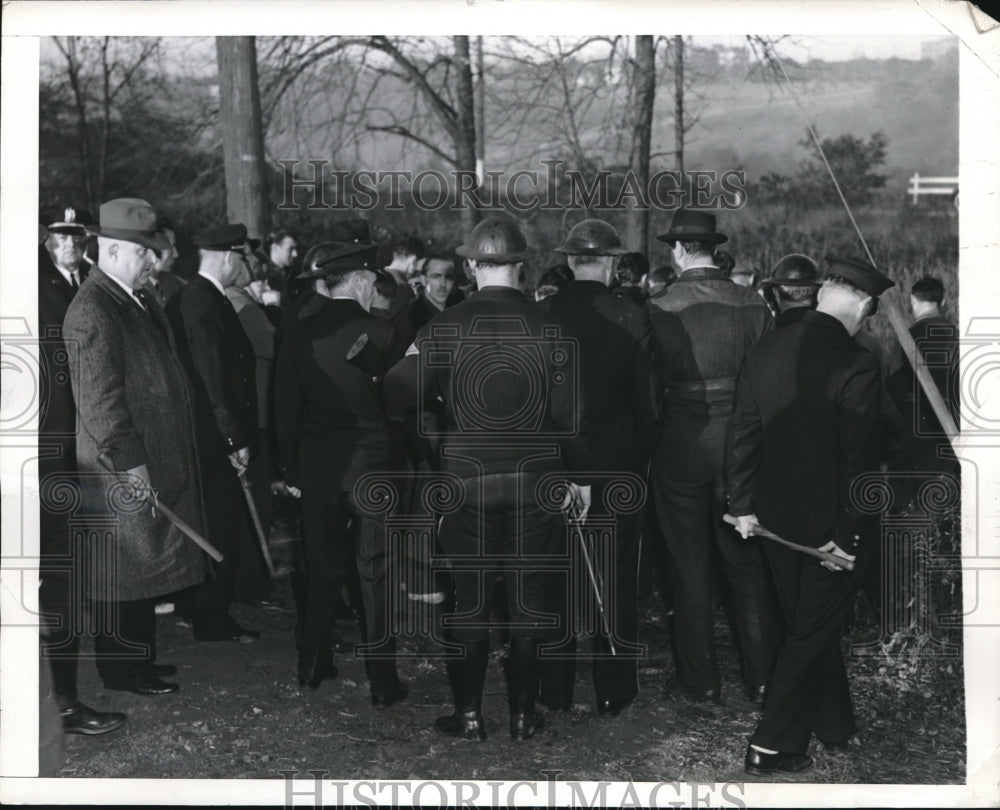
135	408
57	419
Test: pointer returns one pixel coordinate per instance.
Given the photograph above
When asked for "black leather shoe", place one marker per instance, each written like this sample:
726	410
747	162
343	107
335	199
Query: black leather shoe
164	670
612	708
81	719
140	684
756	694
469	725
384	701
524	725
760	764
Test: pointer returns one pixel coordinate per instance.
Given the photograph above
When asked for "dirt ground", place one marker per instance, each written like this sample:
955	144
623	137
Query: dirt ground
240	714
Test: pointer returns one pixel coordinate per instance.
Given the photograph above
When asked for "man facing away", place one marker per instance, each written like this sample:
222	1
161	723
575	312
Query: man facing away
506	381
619	395
704	325
806	424
332	430
220	362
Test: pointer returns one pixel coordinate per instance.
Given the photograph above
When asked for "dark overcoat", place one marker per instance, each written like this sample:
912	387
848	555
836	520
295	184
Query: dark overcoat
807	422
135	408
220	362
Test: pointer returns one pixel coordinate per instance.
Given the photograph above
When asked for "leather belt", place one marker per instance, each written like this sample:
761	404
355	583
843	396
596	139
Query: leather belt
700	386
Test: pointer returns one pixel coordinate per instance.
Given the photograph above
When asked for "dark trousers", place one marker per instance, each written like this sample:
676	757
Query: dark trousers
500	528
60	604
690	516
808	690
131	648
334	531
615	561
241	575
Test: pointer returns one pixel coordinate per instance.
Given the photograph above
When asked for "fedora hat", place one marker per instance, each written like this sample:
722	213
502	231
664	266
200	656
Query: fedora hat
692	226
131	220
350	247
496	240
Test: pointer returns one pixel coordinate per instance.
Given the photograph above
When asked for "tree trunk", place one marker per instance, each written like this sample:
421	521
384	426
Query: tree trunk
464	135
679	105
643	96
242	135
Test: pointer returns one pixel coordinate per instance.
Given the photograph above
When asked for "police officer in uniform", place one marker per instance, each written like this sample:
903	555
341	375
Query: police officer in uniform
619	393
61	270
806	423
505	377
793	285
220	362
332	431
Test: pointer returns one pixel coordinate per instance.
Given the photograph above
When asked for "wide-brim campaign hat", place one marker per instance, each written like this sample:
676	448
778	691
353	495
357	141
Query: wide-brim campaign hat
693	226
861	274
69	220
130	220
349	247
496	240
592	237
795	270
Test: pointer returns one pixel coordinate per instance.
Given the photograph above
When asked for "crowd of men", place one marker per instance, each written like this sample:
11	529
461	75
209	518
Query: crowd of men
361	390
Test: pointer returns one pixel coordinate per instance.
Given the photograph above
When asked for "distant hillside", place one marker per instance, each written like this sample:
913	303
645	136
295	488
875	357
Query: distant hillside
758	126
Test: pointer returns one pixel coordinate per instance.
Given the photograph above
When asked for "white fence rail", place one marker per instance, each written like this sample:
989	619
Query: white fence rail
933	185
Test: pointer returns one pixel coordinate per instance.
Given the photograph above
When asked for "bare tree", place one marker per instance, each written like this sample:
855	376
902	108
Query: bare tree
242	134
643	96
100	71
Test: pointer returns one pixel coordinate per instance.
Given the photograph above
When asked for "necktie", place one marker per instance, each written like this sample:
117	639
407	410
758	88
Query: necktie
73	281
137	294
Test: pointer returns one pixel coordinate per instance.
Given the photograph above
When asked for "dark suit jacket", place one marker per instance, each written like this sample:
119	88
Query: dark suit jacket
807	422
57	418
504	369
220	361
618	377
135	408
330	423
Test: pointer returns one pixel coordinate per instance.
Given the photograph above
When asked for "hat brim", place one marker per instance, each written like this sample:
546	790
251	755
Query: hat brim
66	227
688	236
496	258
570	251
775	282
150	239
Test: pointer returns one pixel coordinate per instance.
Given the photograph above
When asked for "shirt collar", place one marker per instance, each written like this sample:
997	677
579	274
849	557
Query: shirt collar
215	281
128	290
